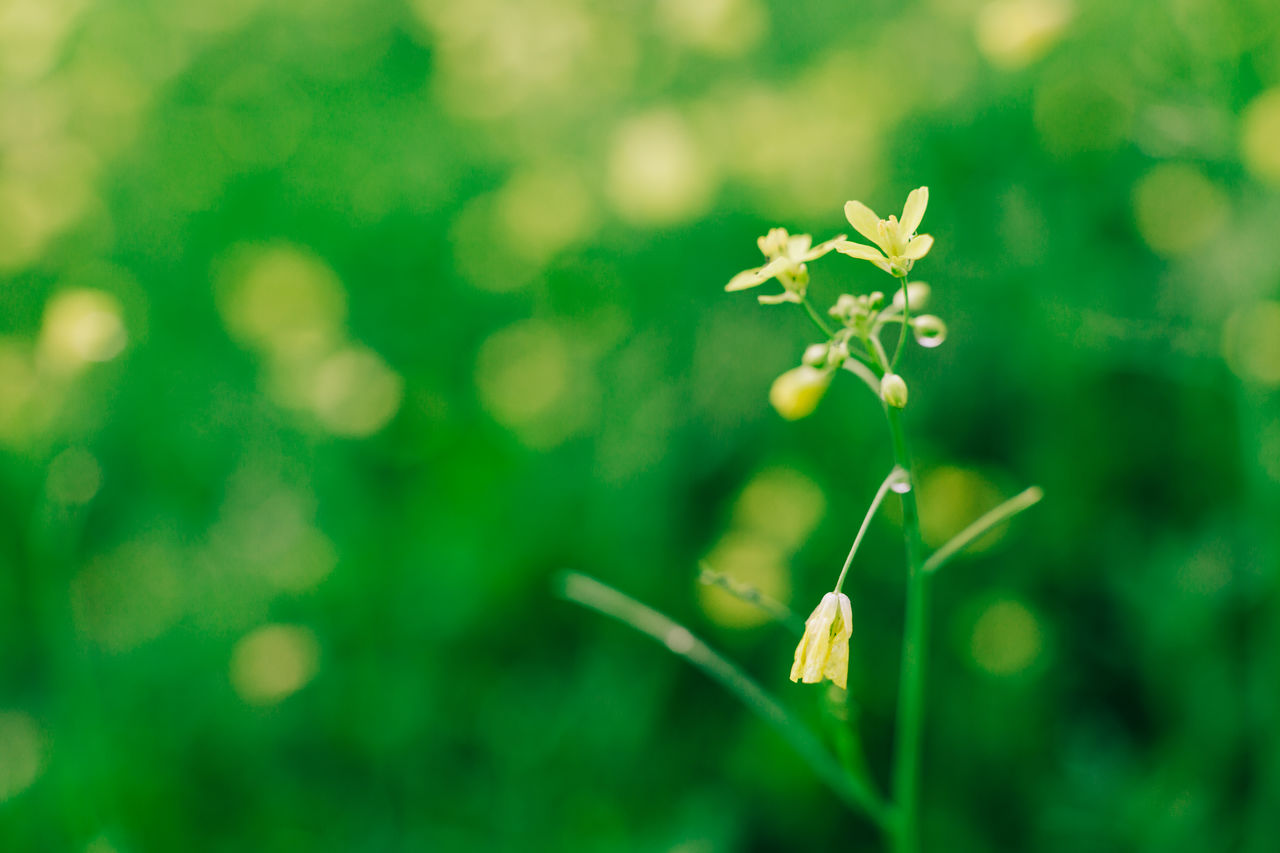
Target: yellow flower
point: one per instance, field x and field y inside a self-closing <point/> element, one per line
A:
<point x="824" y="649"/>
<point x="899" y="245"/>
<point x="787" y="255"/>
<point x="796" y="393"/>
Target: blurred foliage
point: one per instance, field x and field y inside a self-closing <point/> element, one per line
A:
<point x="332" y="328"/>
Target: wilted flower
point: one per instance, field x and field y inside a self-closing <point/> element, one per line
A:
<point x="899" y="245"/>
<point x="787" y="256"/>
<point x="824" y="649"/>
<point x="796" y="393"/>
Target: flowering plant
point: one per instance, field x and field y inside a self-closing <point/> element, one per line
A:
<point x="851" y="342"/>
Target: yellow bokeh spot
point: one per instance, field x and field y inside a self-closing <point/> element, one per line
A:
<point x="21" y="753"/>
<point x="18" y="385"/>
<point x="542" y="211"/>
<point x="1178" y="209"/>
<point x="1015" y="33"/>
<point x="129" y="596"/>
<point x="750" y="559"/>
<point x="1251" y="343"/>
<point x="780" y="504"/>
<point x="274" y="662"/>
<point x="1260" y="135"/>
<point x="354" y="392"/>
<point x="950" y="499"/>
<point x="658" y="173"/>
<point x="45" y="187"/>
<point x="266" y="529"/>
<point x="32" y="33"/>
<point x="1006" y="638"/>
<point x="529" y="381"/>
<point x="282" y="300"/>
<point x="81" y="326"/>
<point x="719" y="27"/>
<point x="74" y="477"/>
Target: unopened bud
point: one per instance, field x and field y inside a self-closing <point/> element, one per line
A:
<point x="917" y="295"/>
<point x="796" y="393"/>
<point x="893" y="390"/>
<point x="929" y="330"/>
<point x="815" y="355"/>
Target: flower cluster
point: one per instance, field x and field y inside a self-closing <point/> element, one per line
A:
<point x="787" y="255"/>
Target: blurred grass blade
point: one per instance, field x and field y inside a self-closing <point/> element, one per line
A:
<point x="964" y="538"/>
<point x="748" y="593"/>
<point x="597" y="596"/>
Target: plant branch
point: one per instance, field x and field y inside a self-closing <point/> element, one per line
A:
<point x="816" y="317"/>
<point x="592" y="594"/>
<point x="896" y="476"/>
<point x="748" y="593"/>
<point x="964" y="538"/>
<point x="906" y="325"/>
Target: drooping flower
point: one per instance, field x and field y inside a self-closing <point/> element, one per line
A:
<point x="787" y="255"/>
<point x="824" y="649"/>
<point x="796" y="393"/>
<point x="897" y="246"/>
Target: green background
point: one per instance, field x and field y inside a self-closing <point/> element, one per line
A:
<point x="331" y="331"/>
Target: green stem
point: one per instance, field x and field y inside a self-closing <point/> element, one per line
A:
<point x="915" y="636"/>
<point x="590" y="593"/>
<point x="906" y="326"/>
<point x="897" y="475"/>
<point x="751" y="595"/>
<point x="816" y="317"/>
<point x="961" y="540"/>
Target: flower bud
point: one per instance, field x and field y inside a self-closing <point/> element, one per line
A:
<point x="796" y="393"/>
<point x="929" y="330"/>
<point x="815" y="355"/>
<point x="824" y="649"/>
<point x="917" y="294"/>
<point x="893" y="390"/>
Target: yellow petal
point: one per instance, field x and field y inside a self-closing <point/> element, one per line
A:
<point x="772" y="244"/>
<point x="863" y="252"/>
<point x="863" y="219"/>
<point x="823" y="651"/>
<point x="745" y="279"/>
<point x="778" y="298"/>
<point x="918" y="247"/>
<point x="913" y="210"/>
<point x="823" y="248"/>
<point x="837" y="667"/>
<point x="798" y="245"/>
<point x="759" y="275"/>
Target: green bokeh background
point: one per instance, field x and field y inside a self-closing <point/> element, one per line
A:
<point x="333" y="329"/>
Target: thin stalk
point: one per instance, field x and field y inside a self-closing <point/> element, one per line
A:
<point x="906" y="323"/>
<point x="864" y="373"/>
<point x="873" y="343"/>
<point x="915" y="636"/>
<point x="897" y="475"/>
<point x="816" y="317"/>
<point x="594" y="595"/>
<point x="751" y="595"/>
<point x="961" y="540"/>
